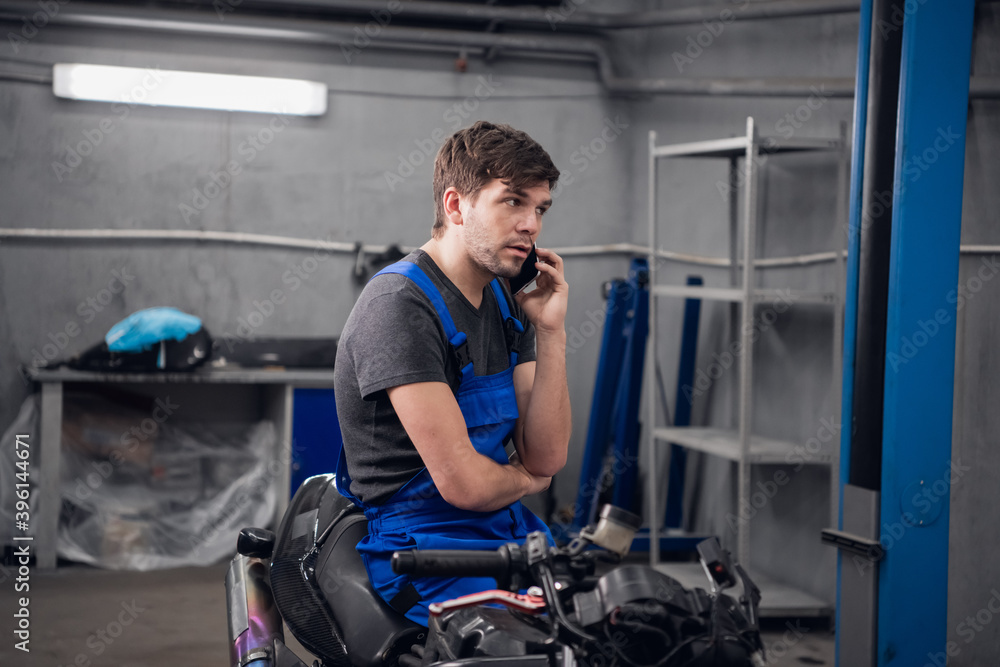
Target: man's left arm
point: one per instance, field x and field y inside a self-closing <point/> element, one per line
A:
<point x="542" y="433"/>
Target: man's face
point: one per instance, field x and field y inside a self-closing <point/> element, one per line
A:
<point x="501" y="226"/>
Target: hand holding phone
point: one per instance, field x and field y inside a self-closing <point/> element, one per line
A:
<point x="546" y="306"/>
<point x="528" y="273"/>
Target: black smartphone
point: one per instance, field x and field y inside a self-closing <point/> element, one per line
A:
<point x="528" y="273"/>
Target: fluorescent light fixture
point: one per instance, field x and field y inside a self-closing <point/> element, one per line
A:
<point x="170" y="88"/>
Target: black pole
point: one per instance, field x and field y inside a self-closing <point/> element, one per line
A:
<point x="875" y="230"/>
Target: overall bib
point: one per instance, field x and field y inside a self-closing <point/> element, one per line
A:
<point x="416" y="516"/>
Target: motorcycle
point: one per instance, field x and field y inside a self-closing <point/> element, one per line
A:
<point x="309" y="576"/>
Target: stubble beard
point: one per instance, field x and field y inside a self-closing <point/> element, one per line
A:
<point x="481" y="251"/>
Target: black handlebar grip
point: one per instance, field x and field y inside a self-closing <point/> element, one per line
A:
<point x="445" y="563"/>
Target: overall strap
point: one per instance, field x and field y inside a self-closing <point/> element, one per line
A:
<point x="457" y="338"/>
<point x="513" y="329"/>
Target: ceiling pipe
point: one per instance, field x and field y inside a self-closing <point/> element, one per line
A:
<point x="416" y="39"/>
<point x="395" y="37"/>
<point x="566" y="16"/>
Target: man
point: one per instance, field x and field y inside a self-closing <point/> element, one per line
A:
<point x="438" y="367"/>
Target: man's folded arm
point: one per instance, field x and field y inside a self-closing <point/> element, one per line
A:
<point x="464" y="477"/>
<point x="544" y="426"/>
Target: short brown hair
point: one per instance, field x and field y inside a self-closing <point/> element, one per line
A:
<point x="472" y="157"/>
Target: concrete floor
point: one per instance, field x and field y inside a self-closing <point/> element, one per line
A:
<point x="87" y="617"/>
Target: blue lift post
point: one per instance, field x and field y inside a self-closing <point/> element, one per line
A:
<point x="626" y="447"/>
<point x="601" y="408"/>
<point x="920" y="336"/>
<point x="673" y="517"/>
<point x="614" y="415"/>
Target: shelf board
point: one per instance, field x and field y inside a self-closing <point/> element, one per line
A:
<point x="726" y="444"/>
<point x="796" y="296"/>
<point x="712" y="148"/>
<point x="778" y="600"/>
<point x="803" y="144"/>
<point x="737" y="146"/>
<point x="203" y="375"/>
<point x="671" y="539"/>
<point x="735" y="294"/>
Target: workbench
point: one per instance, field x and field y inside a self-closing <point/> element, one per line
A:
<point x="252" y="394"/>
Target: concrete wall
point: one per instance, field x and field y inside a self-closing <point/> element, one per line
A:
<point x="360" y="173"/>
<point x="973" y="590"/>
<point x="326" y="179"/>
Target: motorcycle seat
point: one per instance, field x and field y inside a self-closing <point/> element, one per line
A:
<point x="374" y="635"/>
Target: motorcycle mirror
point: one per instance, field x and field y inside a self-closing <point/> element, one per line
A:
<point x="255" y="543"/>
<point x="717" y="563"/>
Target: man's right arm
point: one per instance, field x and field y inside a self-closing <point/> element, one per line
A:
<point x="464" y="477"/>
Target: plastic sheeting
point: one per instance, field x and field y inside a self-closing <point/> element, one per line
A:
<point x="141" y="494"/>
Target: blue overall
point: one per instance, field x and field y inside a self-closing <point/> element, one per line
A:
<point x="416" y="516"/>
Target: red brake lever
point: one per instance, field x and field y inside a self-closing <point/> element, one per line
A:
<point x="529" y="604"/>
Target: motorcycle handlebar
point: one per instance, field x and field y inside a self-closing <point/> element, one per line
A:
<point x="445" y="563"/>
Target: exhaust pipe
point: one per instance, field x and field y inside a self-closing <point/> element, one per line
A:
<point x="254" y="621"/>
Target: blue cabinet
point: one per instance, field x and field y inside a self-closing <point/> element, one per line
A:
<point x="316" y="439"/>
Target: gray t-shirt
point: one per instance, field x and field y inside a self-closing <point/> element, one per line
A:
<point x="394" y="337"/>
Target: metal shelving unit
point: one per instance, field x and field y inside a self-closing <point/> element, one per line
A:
<point x="741" y="445"/>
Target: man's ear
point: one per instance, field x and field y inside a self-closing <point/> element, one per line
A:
<point x="452" y="206"/>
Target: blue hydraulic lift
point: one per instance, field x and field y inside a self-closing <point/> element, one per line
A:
<point x="926" y="229"/>
<point x="611" y="455"/>
<point x="893" y="532"/>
